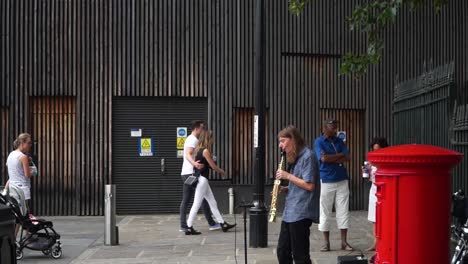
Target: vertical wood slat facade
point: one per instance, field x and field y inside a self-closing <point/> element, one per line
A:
<point x="243" y="150"/>
<point x="53" y="130"/>
<point x="97" y="50"/>
<point x="4" y="136"/>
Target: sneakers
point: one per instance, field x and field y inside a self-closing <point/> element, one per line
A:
<point x="191" y="231"/>
<point x="215" y="227"/>
<point x="225" y="226"/>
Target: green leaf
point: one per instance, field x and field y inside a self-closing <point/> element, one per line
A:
<point x="371" y="18"/>
<point x="297" y="6"/>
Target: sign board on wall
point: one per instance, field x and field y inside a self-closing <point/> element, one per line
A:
<point x="180" y="153"/>
<point x="341" y="135"/>
<point x="145" y="148"/>
<point x="181" y="137"/>
<point x="255" y="131"/>
<point x="136" y="132"/>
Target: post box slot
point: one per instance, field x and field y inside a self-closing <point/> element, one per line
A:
<point x="379" y="193"/>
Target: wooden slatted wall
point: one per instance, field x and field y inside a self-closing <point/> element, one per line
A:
<point x="93" y="50"/>
<point x="54" y="134"/>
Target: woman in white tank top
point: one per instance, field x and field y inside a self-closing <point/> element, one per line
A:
<point x="19" y="171"/>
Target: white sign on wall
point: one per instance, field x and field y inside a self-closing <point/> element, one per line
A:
<point x="136" y="132"/>
<point x="341" y="135"/>
<point x="255" y="131"/>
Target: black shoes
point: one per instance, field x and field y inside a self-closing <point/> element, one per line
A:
<point x="225" y="226"/>
<point x="191" y="231"/>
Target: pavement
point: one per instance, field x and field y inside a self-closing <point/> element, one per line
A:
<point x="77" y="234"/>
<point x="156" y="239"/>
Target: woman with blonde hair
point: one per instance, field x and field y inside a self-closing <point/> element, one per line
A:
<point x="19" y="170"/>
<point x="203" y="190"/>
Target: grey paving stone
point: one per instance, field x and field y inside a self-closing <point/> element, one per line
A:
<point x="156" y="239"/>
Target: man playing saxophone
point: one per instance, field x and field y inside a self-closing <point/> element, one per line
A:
<point x="302" y="199"/>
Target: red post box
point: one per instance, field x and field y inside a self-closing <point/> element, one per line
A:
<point x="413" y="203"/>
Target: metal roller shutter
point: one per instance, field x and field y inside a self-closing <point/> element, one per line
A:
<point x="141" y="186"/>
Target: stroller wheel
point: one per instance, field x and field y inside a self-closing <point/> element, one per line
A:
<point x="56" y="253"/>
<point x="19" y="254"/>
<point x="46" y="252"/>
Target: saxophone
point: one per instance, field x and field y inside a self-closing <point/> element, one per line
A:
<point x="276" y="185"/>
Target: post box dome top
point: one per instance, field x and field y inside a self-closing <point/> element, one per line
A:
<point x="415" y="154"/>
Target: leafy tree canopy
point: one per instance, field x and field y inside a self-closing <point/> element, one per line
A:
<point x="371" y="19"/>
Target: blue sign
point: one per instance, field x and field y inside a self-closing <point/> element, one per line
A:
<point x="342" y="135"/>
<point x="181" y="132"/>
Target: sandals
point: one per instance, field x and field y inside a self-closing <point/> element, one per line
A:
<point x="372" y="248"/>
<point x="325" y="247"/>
<point x="347" y="247"/>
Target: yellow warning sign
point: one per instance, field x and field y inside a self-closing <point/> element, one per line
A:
<point x="181" y="142"/>
<point x="146" y="147"/>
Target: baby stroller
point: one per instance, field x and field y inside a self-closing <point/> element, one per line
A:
<point x="40" y="234"/>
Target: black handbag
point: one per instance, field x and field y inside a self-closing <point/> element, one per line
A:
<point x="191" y="180"/>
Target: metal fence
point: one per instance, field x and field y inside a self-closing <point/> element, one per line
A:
<point x="425" y="111"/>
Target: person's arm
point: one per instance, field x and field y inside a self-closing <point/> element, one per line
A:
<point x="308" y="186"/>
<point x="319" y="152"/>
<point x="323" y="156"/>
<point x="307" y="182"/>
<point x="189" y="156"/>
<point x="345" y="152"/>
<point x="343" y="159"/>
<point x="209" y="158"/>
<point x="333" y="158"/>
<point x="25" y="160"/>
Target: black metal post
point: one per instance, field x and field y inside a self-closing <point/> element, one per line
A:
<point x="245" y="234"/>
<point x="258" y="213"/>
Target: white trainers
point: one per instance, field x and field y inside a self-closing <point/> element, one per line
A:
<point x="215" y="227"/>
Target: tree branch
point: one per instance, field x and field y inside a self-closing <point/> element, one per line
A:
<point x="371" y="19"/>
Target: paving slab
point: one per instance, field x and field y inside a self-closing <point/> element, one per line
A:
<point x="156" y="239"/>
<point x="77" y="234"/>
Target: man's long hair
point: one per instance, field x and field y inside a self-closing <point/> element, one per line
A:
<point x="295" y="135"/>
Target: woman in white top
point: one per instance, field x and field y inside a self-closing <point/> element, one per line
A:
<point x="19" y="171"/>
<point x="377" y="143"/>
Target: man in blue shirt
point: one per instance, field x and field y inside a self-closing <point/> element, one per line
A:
<point x="302" y="200"/>
<point x="332" y="153"/>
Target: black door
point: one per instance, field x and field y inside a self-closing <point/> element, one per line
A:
<point x="143" y="185"/>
